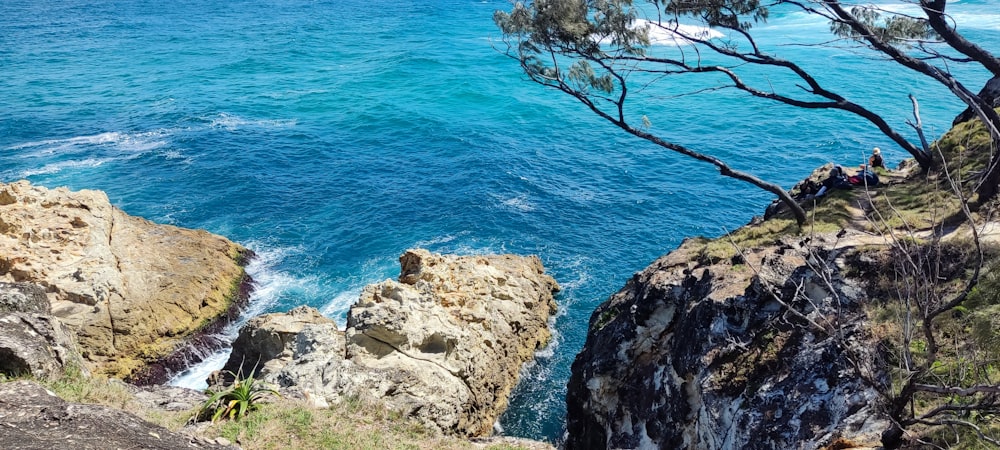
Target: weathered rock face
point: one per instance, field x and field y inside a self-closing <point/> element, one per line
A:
<point x="694" y="353"/>
<point x="266" y="343"/>
<point x="132" y="290"/>
<point x="23" y="297"/>
<point x="36" y="345"/>
<point x="35" y="419"/>
<point x="444" y="344"/>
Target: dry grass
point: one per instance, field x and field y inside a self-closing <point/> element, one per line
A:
<point x="284" y="423"/>
<point x="280" y="423"/>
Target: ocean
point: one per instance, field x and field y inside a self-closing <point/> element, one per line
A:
<point x="331" y="135"/>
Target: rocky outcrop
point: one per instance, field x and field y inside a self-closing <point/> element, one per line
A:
<point x="444" y="344"/>
<point x="34" y="418"/>
<point x="266" y="343"/>
<point x="36" y="345"/>
<point x="33" y="343"/>
<point x="990" y="93"/>
<point x="131" y="290"/>
<point x="735" y="352"/>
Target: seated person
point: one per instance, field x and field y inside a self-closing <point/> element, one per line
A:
<point x="875" y="161"/>
<point x="836" y="180"/>
<point x="865" y="177"/>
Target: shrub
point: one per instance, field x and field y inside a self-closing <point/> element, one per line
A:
<point x="236" y="400"/>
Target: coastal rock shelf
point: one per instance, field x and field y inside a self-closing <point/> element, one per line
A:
<point x="444" y="344"/>
<point x="131" y="290"/>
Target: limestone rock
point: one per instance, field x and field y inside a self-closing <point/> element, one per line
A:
<point x="444" y="344"/>
<point x="23" y="297"/>
<point x="33" y="418"/>
<point x="36" y="345"/>
<point x="131" y="289"/>
<point x="269" y="340"/>
<point x="693" y="353"/>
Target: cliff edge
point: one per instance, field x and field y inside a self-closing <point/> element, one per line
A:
<point x="872" y="326"/>
<point x="132" y="291"/>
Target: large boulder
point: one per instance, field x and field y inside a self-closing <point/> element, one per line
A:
<point x="132" y="290"/>
<point x="266" y="343"/>
<point x="740" y="352"/>
<point x="444" y="344"/>
<point x="33" y="418"/>
<point x="36" y="345"/>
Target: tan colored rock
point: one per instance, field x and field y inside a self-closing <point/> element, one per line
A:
<point x="444" y="344"/>
<point x="133" y="290"/>
<point x="268" y="342"/>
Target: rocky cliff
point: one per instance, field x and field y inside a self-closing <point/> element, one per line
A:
<point x="734" y="353"/>
<point x="445" y="343"/>
<point x="858" y="330"/>
<point x="131" y="290"/>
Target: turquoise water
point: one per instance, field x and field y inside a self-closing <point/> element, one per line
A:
<point x="330" y="136"/>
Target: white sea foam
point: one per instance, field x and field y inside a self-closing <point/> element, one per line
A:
<point x="520" y="203"/>
<point x="967" y="16"/>
<point x="231" y="122"/>
<point x="269" y="285"/>
<point x="557" y="338"/>
<point x="96" y="139"/>
<point x="437" y="240"/>
<point x="338" y="306"/>
<point x="672" y="34"/>
<point x="459" y="244"/>
<point x="194" y="377"/>
<point x="60" y="166"/>
<point x="372" y="270"/>
<point x="93" y="150"/>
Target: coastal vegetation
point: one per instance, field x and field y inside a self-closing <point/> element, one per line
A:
<point x="603" y="54"/>
<point x="930" y="268"/>
<point x="233" y="402"/>
<point x="276" y="422"/>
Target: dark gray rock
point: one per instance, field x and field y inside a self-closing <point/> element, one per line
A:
<point x="990" y="93"/>
<point x="23" y="297"/>
<point x="695" y="353"/>
<point x="32" y="418"/>
<point x="165" y="397"/>
<point x="36" y="345"/>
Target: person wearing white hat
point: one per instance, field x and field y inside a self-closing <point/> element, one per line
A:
<point x="876" y="159"/>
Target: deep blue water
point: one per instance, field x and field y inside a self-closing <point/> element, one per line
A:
<point x="330" y="136"/>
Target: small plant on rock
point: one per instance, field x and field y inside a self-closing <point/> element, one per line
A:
<point x="236" y="400"/>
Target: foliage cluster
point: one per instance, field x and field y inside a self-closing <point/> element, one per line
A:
<point x="236" y="400"/>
